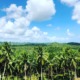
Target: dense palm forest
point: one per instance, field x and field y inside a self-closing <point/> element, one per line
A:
<point x="52" y="61"/>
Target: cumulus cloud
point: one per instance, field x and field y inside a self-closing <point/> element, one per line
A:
<point x="36" y="35"/>
<point x="39" y="10"/>
<point x="76" y="8"/>
<point x="15" y="24"/>
<point x="76" y="12"/>
<point x="14" y="11"/>
<point x="15" y="21"/>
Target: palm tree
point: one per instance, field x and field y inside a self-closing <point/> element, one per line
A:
<point x="31" y="61"/>
<point x="24" y="61"/>
<point x="5" y="56"/>
<point x="40" y="59"/>
<point x="71" y="62"/>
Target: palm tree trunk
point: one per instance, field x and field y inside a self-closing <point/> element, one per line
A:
<point x="63" y="73"/>
<point x="69" y="75"/>
<point x="48" y="73"/>
<point x="25" y="71"/>
<point x="30" y="71"/>
<point x="75" y="73"/>
<point x="4" y="71"/>
<point x="41" y="73"/>
<point x="0" y="76"/>
<point x="51" y="73"/>
<point x="30" y="77"/>
<point x="56" y="71"/>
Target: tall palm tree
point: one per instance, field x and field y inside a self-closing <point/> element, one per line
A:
<point x="40" y="59"/>
<point x="24" y="62"/>
<point x="5" y="56"/>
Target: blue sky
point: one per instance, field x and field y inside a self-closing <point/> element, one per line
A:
<point x="40" y="20"/>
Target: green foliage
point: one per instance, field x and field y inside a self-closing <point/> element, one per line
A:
<point x="35" y="62"/>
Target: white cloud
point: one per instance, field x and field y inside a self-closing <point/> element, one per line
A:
<point x="76" y="12"/>
<point x="40" y="9"/>
<point x="58" y="39"/>
<point x="14" y="11"/>
<point x="15" y="21"/>
<point x="76" y="8"/>
<point x="69" y="33"/>
<point x="2" y="22"/>
<point x="16" y="28"/>
<point x="15" y="24"/>
<point x="36" y="35"/>
<point x="45" y="33"/>
<point x="69" y="2"/>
